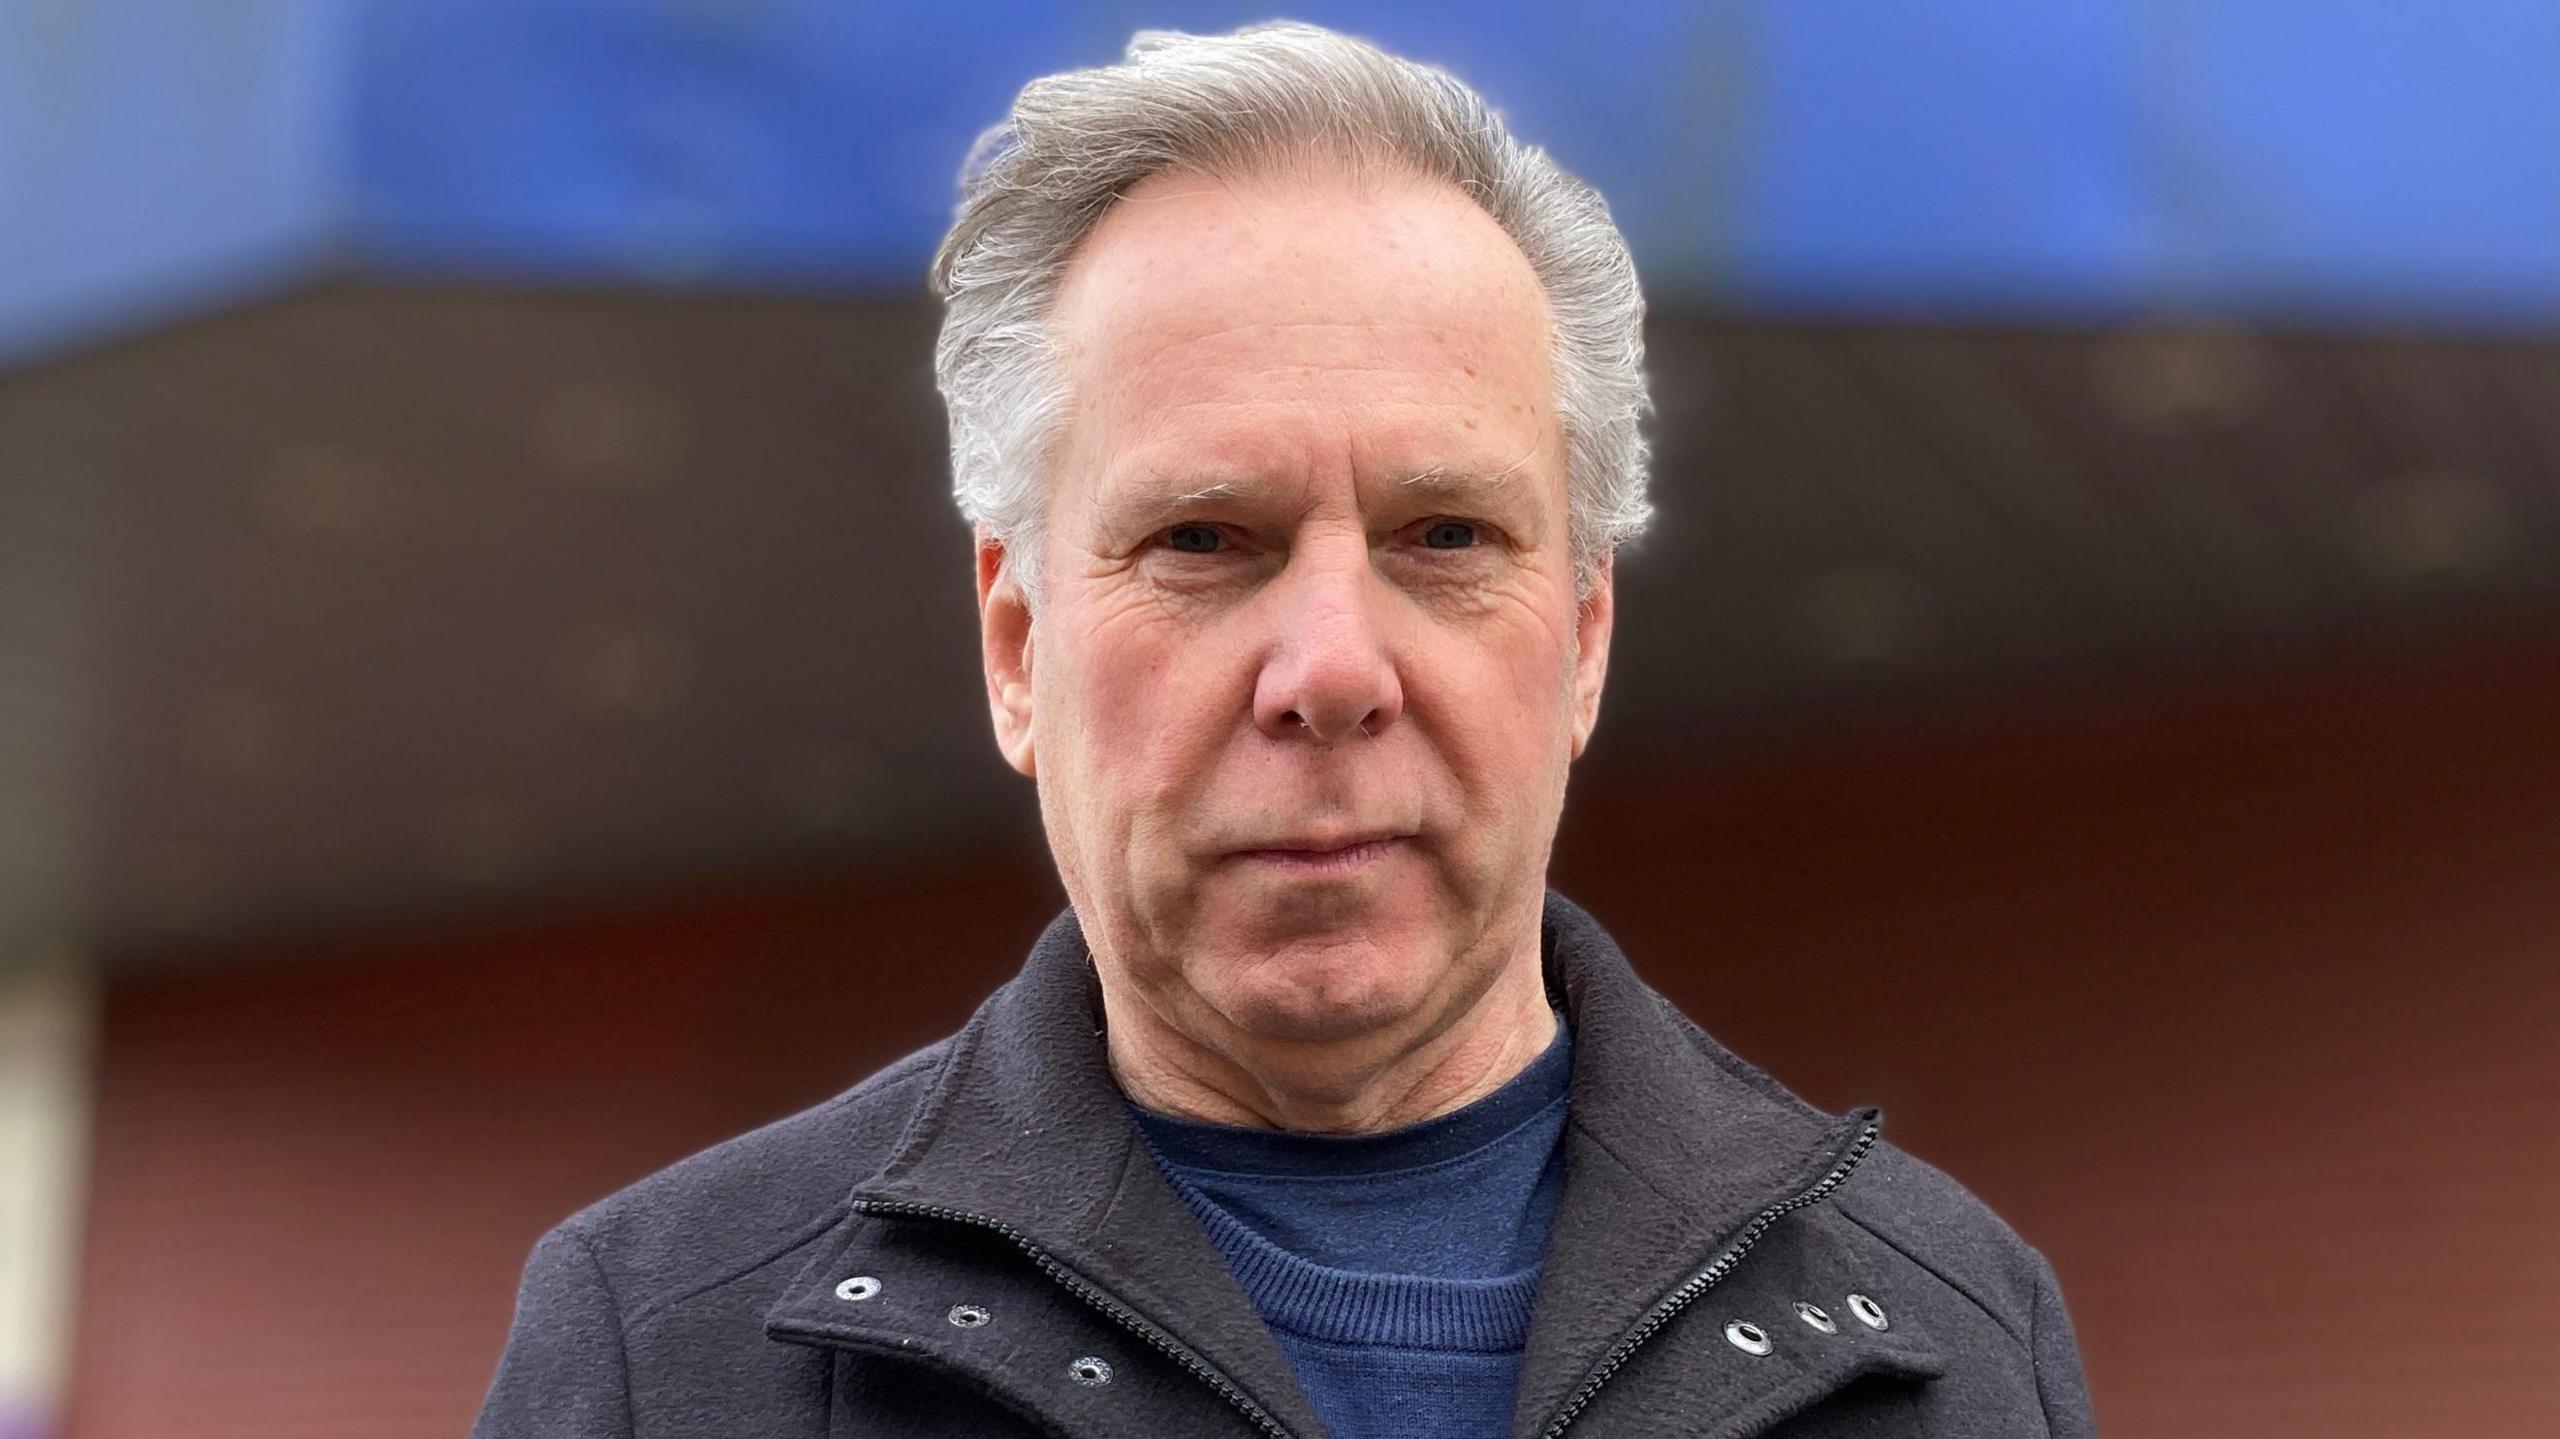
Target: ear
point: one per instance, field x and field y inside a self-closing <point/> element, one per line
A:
<point x="1004" y="639"/>
<point x="1595" y="614"/>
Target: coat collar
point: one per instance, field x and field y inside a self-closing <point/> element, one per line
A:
<point x="1025" y="1126"/>
<point x="1672" y="1145"/>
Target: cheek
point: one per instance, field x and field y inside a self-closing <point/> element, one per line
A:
<point x="1504" y="728"/>
<point x="1126" y="703"/>
<point x="1514" y="679"/>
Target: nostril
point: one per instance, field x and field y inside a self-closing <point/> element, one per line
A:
<point x="1295" y="720"/>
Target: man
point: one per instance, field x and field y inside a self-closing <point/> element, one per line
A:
<point x="1295" y="409"/>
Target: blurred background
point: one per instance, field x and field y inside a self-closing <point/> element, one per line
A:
<point x="488" y="691"/>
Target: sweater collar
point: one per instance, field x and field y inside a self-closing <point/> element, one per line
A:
<point x="1671" y="1146"/>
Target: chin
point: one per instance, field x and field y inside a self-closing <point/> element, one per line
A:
<point x="1321" y="995"/>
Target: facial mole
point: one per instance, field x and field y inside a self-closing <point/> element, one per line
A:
<point x="1470" y="369"/>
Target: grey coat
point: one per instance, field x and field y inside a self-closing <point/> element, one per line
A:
<point x="972" y="1242"/>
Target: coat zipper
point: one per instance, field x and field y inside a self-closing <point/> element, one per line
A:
<point x="1098" y="1298"/>
<point x="1707" y="1278"/>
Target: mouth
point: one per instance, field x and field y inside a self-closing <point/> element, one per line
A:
<point x="1345" y="855"/>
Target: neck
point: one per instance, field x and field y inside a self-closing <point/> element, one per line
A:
<point x="1358" y="1085"/>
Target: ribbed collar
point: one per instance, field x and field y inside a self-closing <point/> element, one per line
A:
<point x="1342" y="1306"/>
<point x="1485" y="1315"/>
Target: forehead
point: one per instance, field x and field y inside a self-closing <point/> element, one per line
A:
<point x="1236" y="322"/>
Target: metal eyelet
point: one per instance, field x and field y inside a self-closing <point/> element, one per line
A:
<point x="1090" y="1371"/>
<point x="858" y="1288"/>
<point x="968" y="1316"/>
<point x="1748" y="1337"/>
<point x="1869" y="1312"/>
<point x="1814" y="1318"/>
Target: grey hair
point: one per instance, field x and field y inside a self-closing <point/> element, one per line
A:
<point x="1036" y="184"/>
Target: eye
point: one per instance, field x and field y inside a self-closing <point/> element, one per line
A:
<point x="1449" y="535"/>
<point x="1194" y="539"/>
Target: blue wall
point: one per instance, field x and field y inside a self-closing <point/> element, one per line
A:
<point x="2323" y="160"/>
<point x="160" y="154"/>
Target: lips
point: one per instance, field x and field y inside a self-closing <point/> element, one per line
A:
<point x="1317" y="846"/>
<point x="1323" y="858"/>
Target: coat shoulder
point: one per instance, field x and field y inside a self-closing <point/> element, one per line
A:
<point x="1939" y="1225"/>
<point x="751" y="1202"/>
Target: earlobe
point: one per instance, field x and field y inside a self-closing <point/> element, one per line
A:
<point x="1006" y="643"/>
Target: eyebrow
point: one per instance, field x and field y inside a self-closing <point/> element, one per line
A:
<point x="1150" y="498"/>
<point x="1442" y="480"/>
<point x="1153" y="496"/>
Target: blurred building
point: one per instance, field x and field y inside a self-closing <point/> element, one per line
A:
<point x="488" y="693"/>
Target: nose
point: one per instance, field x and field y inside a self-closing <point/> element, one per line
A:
<point x="1327" y="672"/>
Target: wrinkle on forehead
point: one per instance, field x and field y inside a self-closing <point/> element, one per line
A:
<point x="1207" y="349"/>
<point x="1150" y="492"/>
<point x="1437" y="479"/>
<point x="1252" y="217"/>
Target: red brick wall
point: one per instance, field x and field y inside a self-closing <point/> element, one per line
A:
<point x="2243" y="1007"/>
<point x="316" y="1178"/>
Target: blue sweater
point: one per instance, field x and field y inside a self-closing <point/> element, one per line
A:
<point x="1395" y="1270"/>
